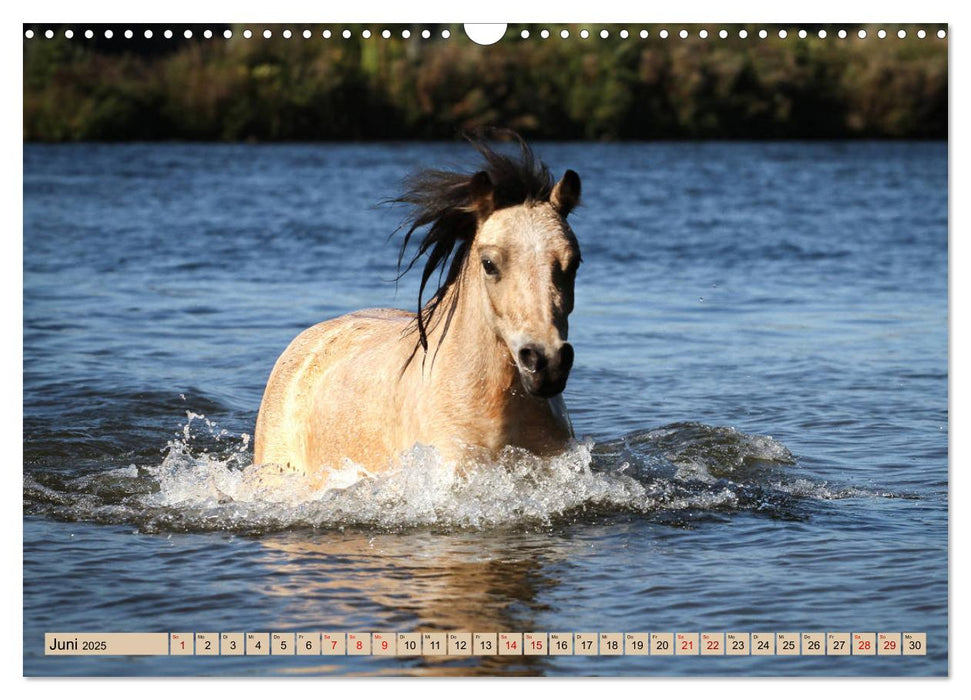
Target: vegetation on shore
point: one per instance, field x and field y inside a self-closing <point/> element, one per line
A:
<point x="335" y="89"/>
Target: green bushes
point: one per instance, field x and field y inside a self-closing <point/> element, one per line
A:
<point x="319" y="89"/>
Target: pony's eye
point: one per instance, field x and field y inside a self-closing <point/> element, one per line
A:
<point x="489" y="267"/>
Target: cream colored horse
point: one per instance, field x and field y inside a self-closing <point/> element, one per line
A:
<point x="481" y="366"/>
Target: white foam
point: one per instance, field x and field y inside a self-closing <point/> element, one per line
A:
<point x="201" y="487"/>
<point x="423" y="490"/>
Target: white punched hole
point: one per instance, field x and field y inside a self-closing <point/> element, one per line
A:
<point x="624" y="33"/>
<point x="325" y="34"/>
<point x="545" y="34"/>
<point x="703" y="33"/>
<point x="564" y="34"/>
<point x="49" y="33"/>
<point x="228" y="34"/>
<point x="88" y="34"/>
<point x="148" y="33"/>
<point x="485" y="34"/>
<point x="287" y="34"/>
<point x="29" y="34"/>
<point x="941" y="34"/>
<point x="921" y="33"/>
<point x="783" y="33"/>
<point x="763" y="34"/>
<point x="109" y="33"/>
<point x="366" y="33"/>
<point x="247" y="34"/>
<point x="803" y="33"/>
<point x="644" y="34"/>
<point x="425" y="34"/>
<point x="207" y="34"/>
<point x="524" y="34"/>
<point x="68" y="34"/>
<point x="841" y="34"/>
<point x="267" y="33"/>
<point x="346" y="33"/>
<point x="723" y="34"/>
<point x="822" y="34"/>
<point x="861" y="33"/>
<point x="405" y="34"/>
<point x="446" y="34"/>
<point x="901" y="34"/>
<point x="584" y="34"/>
<point x="742" y="34"/>
<point x="168" y="33"/>
<point x="663" y="33"/>
<point x="386" y="34"/>
<point x="307" y="34"/>
<point x="604" y="33"/>
<point x="882" y="34"/>
<point x="683" y="34"/>
<point x="187" y="33"/>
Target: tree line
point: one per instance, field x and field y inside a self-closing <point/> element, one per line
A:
<point x="298" y="89"/>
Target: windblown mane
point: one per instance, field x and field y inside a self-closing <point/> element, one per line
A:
<point x="445" y="202"/>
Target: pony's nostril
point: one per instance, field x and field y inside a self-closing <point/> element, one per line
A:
<point x="532" y="359"/>
<point x="566" y="357"/>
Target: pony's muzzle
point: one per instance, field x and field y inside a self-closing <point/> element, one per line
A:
<point x="544" y="374"/>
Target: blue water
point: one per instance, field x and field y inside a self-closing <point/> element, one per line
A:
<point x="729" y="293"/>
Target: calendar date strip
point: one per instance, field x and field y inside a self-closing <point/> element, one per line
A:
<point x="404" y="644"/>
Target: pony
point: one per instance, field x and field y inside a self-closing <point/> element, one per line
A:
<point x="480" y="366"/>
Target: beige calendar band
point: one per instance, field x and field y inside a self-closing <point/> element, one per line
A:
<point x="486" y="644"/>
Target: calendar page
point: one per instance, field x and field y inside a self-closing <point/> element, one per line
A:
<point x="535" y="349"/>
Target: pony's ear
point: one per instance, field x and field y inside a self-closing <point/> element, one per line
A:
<point x="566" y="193"/>
<point x="482" y="191"/>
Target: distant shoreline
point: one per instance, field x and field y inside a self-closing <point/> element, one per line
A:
<point x="375" y="89"/>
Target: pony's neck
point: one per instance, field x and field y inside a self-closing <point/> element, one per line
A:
<point x="465" y="354"/>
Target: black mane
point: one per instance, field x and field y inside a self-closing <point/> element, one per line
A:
<point x="447" y="203"/>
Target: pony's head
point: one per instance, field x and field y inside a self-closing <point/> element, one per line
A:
<point x="502" y="229"/>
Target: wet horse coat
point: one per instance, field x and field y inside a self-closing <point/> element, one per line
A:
<point x="479" y="367"/>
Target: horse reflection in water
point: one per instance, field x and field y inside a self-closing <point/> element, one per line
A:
<point x="481" y="366"/>
<point x="415" y="582"/>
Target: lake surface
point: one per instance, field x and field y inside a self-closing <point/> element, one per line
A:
<point x="760" y="398"/>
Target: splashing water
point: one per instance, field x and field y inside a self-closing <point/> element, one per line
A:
<point x="207" y="482"/>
